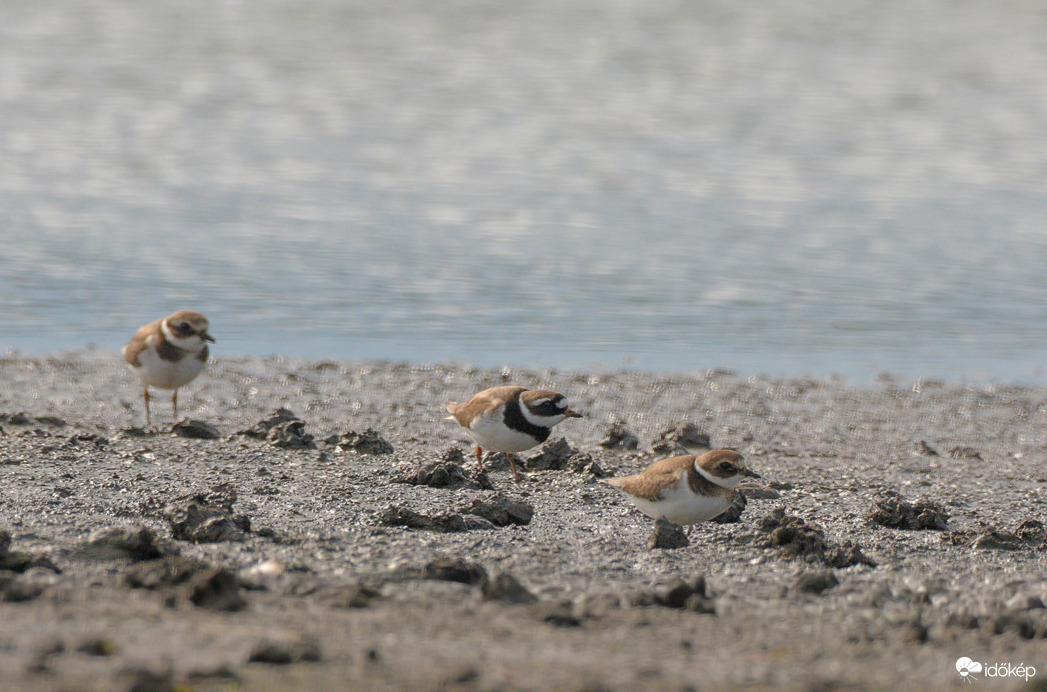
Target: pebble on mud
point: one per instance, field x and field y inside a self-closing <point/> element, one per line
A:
<point x="681" y="439"/>
<point x="685" y="593"/>
<point x="506" y="588"/>
<point x="215" y="588"/>
<point x="136" y="543"/>
<point x="442" y="474"/>
<point x="482" y="513"/>
<point x="448" y="522"/>
<point x="815" y="582"/>
<point x="367" y="442"/>
<point x="207" y="517"/>
<point x="892" y="510"/>
<point x="668" y="536"/>
<point x="552" y="457"/>
<point x="196" y="430"/>
<point x="17" y="561"/>
<point x="792" y="537"/>
<point x="285" y="652"/>
<point x="455" y="569"/>
<point x="500" y="510"/>
<point x="282" y="429"/>
<point x="619" y="436"/>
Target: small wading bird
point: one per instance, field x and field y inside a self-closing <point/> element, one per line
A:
<point x="169" y="353"/>
<point x="510" y="419"/>
<point x="686" y="489"/>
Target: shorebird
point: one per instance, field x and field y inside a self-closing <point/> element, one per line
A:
<point x="169" y="353"/>
<point x="510" y="419"/>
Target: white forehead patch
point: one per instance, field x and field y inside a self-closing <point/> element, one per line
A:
<point x="561" y="404"/>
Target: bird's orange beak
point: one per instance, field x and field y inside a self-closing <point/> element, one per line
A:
<point x="571" y="414"/>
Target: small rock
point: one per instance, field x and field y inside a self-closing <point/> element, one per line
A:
<point x="442" y="474"/>
<point x="215" y="589"/>
<point x="97" y="646"/>
<point x="283" y="653"/>
<point x="196" y="429"/>
<point x="126" y="542"/>
<point x="25" y="419"/>
<point x="454" y="455"/>
<point x="207" y="517"/>
<point x="507" y="589"/>
<point x="964" y="453"/>
<point x="619" y="436"/>
<point x="1032" y="531"/>
<point x="845" y="555"/>
<point x="914" y="633"/>
<point x="21" y="588"/>
<point x="283" y="429"/>
<point x="993" y="539"/>
<point x="585" y="464"/>
<point x="676" y="593"/>
<point x="350" y="597"/>
<point x="668" y="536"/>
<point x="164" y="572"/>
<point x="20" y="562"/>
<point x="1024" y="601"/>
<point x="793" y="538"/>
<point x="151" y="681"/>
<point x="554" y="456"/>
<point x="815" y="582"/>
<point x="681" y="439"/>
<point x="924" y="449"/>
<point x="555" y="614"/>
<point x="500" y="510"/>
<point x="397" y="515"/>
<point x="891" y="510"/>
<point x="367" y="442"/>
<point x="456" y="570"/>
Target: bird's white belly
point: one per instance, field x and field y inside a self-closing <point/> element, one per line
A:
<point x="491" y="433"/>
<point x="167" y="374"/>
<point x="681" y="506"/>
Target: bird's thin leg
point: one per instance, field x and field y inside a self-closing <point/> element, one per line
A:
<point x="479" y="458"/>
<point x="174" y="403"/>
<point x="148" y="420"/>
<point x="512" y="465"/>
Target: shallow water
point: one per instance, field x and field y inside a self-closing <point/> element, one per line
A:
<point x="796" y="189"/>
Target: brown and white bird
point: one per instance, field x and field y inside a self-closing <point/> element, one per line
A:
<point x="510" y="419"/>
<point x="686" y="489"/>
<point x="169" y="353"/>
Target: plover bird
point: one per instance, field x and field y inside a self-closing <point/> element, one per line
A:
<point x="169" y="353"/>
<point x="510" y="419"/>
<point x="686" y="489"/>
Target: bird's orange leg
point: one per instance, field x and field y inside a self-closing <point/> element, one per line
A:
<point x="148" y="421"/>
<point x="479" y="458"/>
<point x="512" y="465"/>
<point x="174" y="403"/>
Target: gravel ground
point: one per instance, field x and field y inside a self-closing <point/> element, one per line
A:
<point x="350" y="543"/>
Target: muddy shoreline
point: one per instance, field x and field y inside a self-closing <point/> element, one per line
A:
<point x="330" y="561"/>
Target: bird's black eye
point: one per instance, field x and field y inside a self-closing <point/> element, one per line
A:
<point x="726" y="466"/>
<point x="185" y="328"/>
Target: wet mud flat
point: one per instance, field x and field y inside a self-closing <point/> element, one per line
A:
<point x="321" y="525"/>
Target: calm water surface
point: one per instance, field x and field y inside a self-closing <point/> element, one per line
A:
<point x="802" y="188"/>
